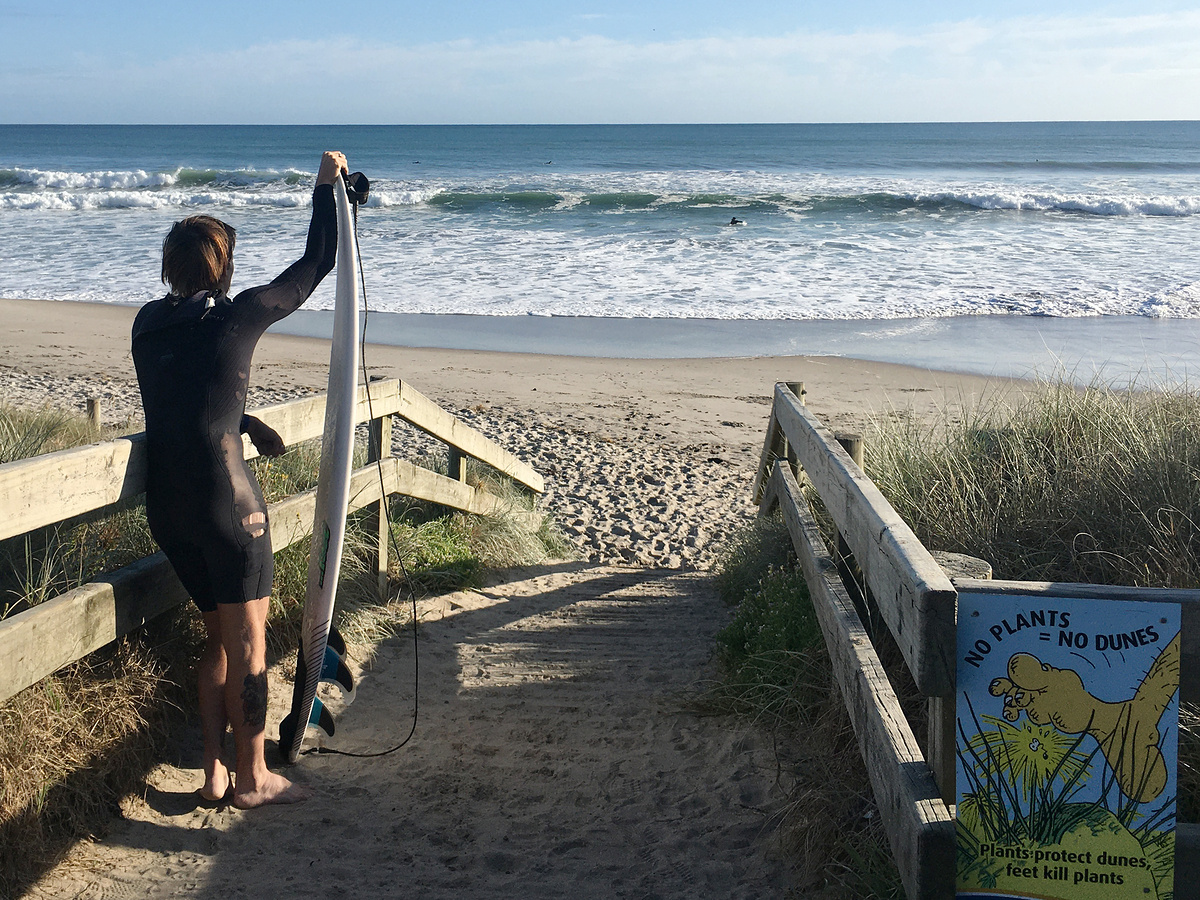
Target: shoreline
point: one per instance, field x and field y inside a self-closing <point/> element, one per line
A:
<point x="73" y="348"/>
<point x="1110" y="348"/>
<point x="1116" y="350"/>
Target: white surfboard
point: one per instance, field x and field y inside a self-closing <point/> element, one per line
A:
<point x="321" y="651"/>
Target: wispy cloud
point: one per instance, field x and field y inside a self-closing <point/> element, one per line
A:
<point x="1031" y="67"/>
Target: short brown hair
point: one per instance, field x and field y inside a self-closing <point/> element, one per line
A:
<point x="196" y="255"/>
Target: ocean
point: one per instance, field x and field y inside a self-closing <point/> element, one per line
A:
<point x="842" y="222"/>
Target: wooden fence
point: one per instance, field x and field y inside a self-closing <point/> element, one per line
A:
<point x="912" y="596"/>
<point x="57" y="487"/>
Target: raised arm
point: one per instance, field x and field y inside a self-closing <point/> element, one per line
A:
<point x="296" y="283"/>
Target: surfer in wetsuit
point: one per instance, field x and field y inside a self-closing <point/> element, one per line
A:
<point x="192" y="351"/>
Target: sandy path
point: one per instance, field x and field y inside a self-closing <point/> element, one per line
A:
<point x="555" y="753"/>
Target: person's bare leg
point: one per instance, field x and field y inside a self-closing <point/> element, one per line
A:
<point x="213" y="718"/>
<point x="244" y="634"/>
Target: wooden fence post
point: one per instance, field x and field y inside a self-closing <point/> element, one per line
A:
<point x="94" y="412"/>
<point x="852" y="444"/>
<point x="941" y="737"/>
<point x="379" y="446"/>
<point x="456" y="465"/>
<point x="776" y="446"/>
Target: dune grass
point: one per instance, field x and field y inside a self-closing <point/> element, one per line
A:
<point x="74" y="744"/>
<point x="1094" y="485"/>
<point x="25" y="433"/>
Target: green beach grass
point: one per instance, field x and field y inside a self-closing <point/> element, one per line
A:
<point x="73" y="745"/>
<point x="1093" y="485"/>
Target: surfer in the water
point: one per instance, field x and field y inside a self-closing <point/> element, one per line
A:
<point x="192" y="351"/>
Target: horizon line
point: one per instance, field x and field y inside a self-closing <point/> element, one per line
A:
<point x="1148" y="121"/>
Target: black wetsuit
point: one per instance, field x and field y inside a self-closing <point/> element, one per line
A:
<point x="192" y="355"/>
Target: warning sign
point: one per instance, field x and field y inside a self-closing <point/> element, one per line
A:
<point x="1068" y="717"/>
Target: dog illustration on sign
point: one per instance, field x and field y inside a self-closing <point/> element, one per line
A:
<point x="1127" y="731"/>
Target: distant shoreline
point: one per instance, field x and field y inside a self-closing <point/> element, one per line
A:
<point x="1113" y="349"/>
<point x="65" y="352"/>
<point x="1116" y="350"/>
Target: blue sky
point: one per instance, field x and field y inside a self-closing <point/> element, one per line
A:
<point x="615" y="61"/>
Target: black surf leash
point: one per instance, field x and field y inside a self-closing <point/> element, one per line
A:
<point x="357" y="190"/>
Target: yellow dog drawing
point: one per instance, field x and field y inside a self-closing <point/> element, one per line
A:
<point x="1126" y="731"/>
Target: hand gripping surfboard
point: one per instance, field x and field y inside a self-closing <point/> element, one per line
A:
<point x="321" y="651"/>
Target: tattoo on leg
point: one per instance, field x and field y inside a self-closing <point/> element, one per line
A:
<point x="254" y="700"/>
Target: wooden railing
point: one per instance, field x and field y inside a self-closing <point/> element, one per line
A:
<point x="916" y="600"/>
<point x="907" y="589"/>
<point x="49" y="489"/>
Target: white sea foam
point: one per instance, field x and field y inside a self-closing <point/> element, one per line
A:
<point x="646" y="243"/>
<point x="465" y="269"/>
<point x="1096" y="204"/>
<point x="400" y="196"/>
<point x="795" y="194"/>
<point x="1178" y="302"/>
<point x="57" y="181"/>
<point x="163" y="199"/>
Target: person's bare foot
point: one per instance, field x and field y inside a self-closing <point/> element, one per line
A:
<point x="216" y="782"/>
<point x="271" y="788"/>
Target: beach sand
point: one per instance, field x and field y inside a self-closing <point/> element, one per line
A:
<point x="555" y="750"/>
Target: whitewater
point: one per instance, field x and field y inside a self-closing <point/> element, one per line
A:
<point x="841" y="222"/>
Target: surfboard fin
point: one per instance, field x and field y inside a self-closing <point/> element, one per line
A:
<point x="287" y="733"/>
<point x="321" y="718"/>
<point x="336" y="641"/>
<point x="335" y="671"/>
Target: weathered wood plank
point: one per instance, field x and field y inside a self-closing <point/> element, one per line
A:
<point x="914" y="595"/>
<point x="942" y="735"/>
<point x="1189" y="613"/>
<point x="424" y="484"/>
<point x="300" y="420"/>
<point x="402" y="399"/>
<point x="56" y="486"/>
<point x="918" y="823"/>
<point x="959" y="565"/>
<point x="304" y="419"/>
<point x="39" y="641"/>
<point x="774" y="447"/>
<point x="422" y="412"/>
<point x="46" y="489"/>
<point x="768" y="495"/>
